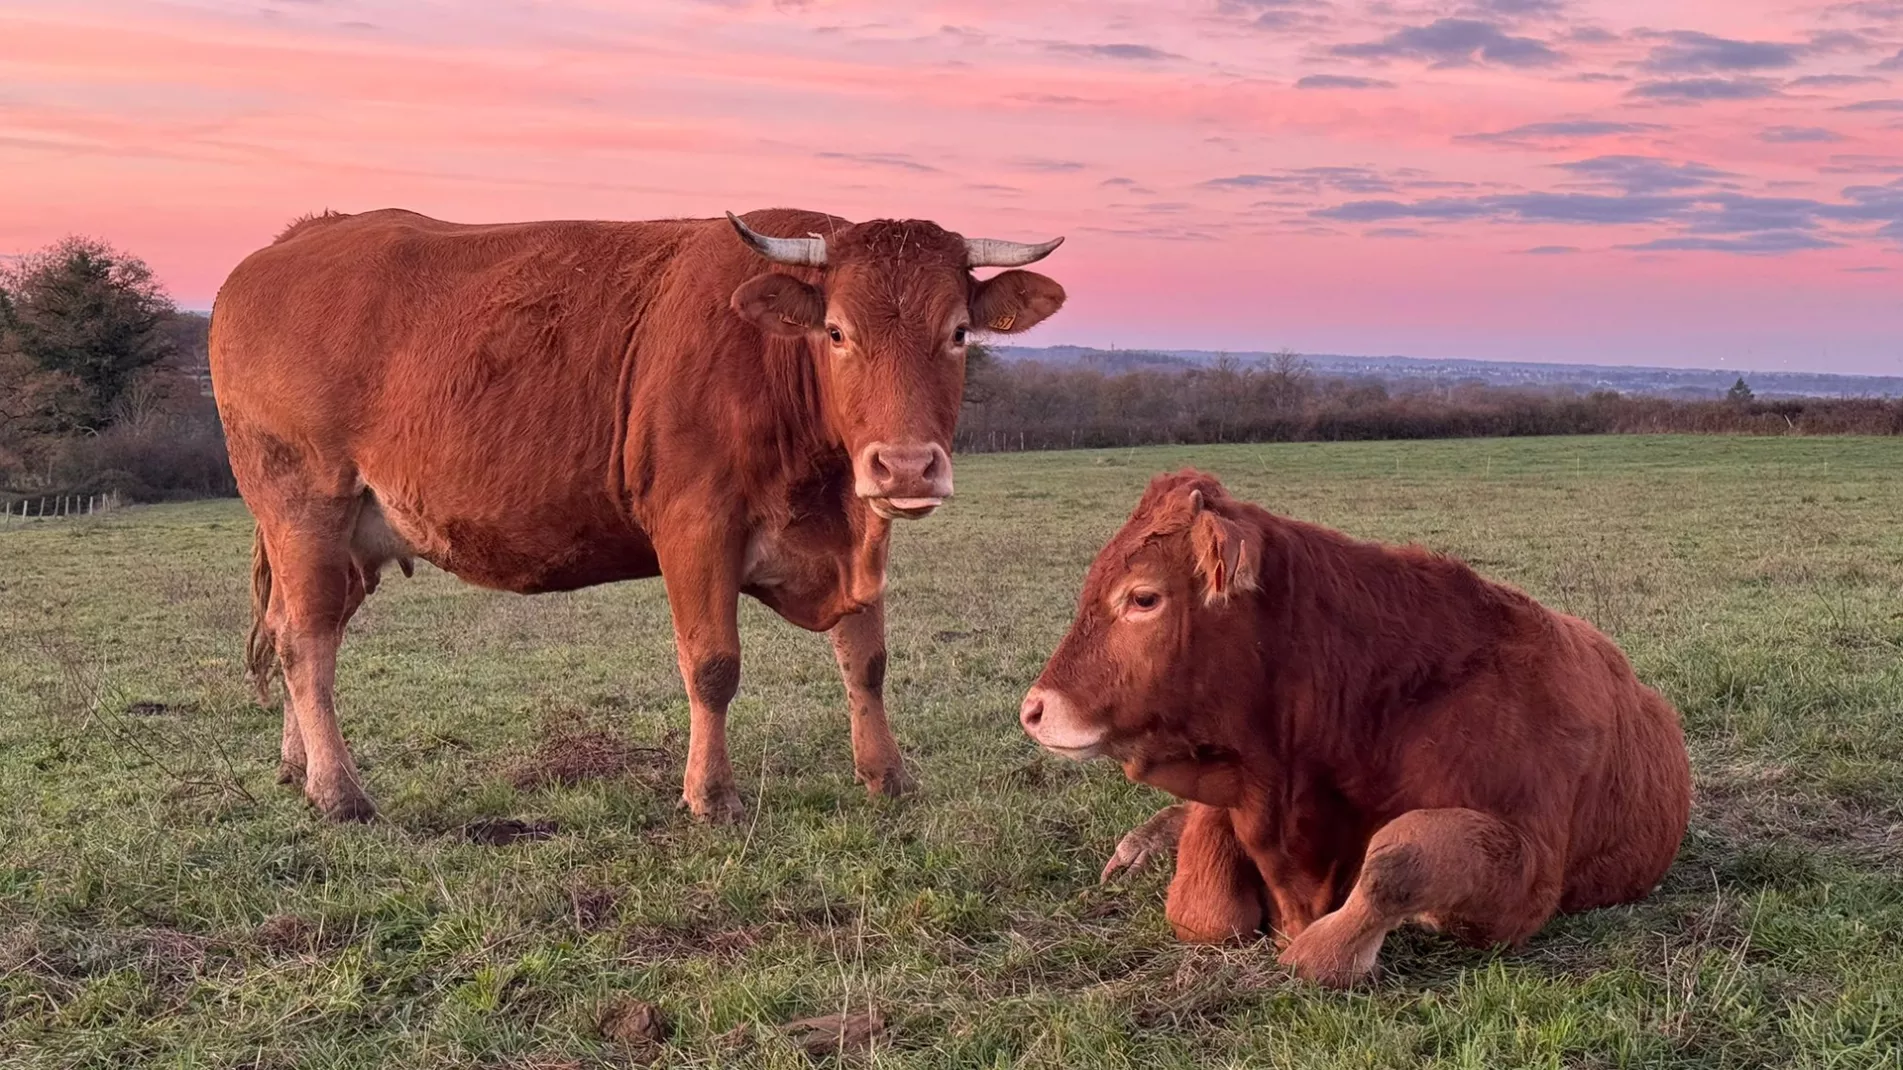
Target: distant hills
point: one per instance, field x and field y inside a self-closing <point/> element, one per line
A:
<point x="1563" y="378"/>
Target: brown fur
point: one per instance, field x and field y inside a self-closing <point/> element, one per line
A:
<point x="546" y="406"/>
<point x="1368" y="735"/>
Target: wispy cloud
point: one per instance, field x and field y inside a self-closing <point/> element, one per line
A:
<point x="1797" y="135"/>
<point x="1047" y="165"/>
<point x="1340" y="81"/>
<point x="1834" y="81"/>
<point x="1563" y="130"/>
<point x="1455" y="42"/>
<point x="1755" y="245"/>
<point x="1147" y="53"/>
<point x="1691" y="52"/>
<point x="1700" y="90"/>
<point x="1645" y="174"/>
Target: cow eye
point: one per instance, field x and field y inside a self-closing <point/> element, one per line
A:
<point x="1145" y="600"/>
<point x="838" y="336"/>
<point x="959" y="336"/>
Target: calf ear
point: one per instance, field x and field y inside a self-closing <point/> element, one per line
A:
<point x="1014" y="301"/>
<point x="779" y="304"/>
<point x="1228" y="554"/>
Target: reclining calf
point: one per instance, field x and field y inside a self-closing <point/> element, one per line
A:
<point x="1367" y="735"/>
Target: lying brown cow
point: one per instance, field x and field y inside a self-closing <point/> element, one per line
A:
<point x="547" y="406"/>
<point x="1368" y="735"/>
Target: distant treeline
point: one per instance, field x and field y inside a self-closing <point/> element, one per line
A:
<point x="104" y="390"/>
<point x="102" y="382"/>
<point x="1028" y="406"/>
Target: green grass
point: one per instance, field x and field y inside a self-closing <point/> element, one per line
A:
<point x="163" y="902"/>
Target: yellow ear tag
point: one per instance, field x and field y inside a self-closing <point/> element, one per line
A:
<point x="1004" y="321"/>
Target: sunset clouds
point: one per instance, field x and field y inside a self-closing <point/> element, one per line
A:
<point x="1620" y="180"/>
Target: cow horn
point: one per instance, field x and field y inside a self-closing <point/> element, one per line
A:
<point x="803" y="252"/>
<point x="990" y="252"/>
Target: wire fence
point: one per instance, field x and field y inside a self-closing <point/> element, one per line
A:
<point x="57" y="507"/>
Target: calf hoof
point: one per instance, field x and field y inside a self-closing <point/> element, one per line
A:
<point x="715" y="806"/>
<point x="891" y="782"/>
<point x="1332" y="952"/>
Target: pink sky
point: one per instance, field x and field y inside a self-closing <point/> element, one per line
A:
<point x="1703" y="182"/>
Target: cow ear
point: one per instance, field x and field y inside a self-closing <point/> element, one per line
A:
<point x="780" y="304"/>
<point x="1014" y="301"/>
<point x="1228" y="554"/>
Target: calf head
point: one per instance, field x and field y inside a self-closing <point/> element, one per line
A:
<point x="1156" y="669"/>
<point x="889" y="314"/>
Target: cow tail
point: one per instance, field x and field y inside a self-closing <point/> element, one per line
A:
<point x="260" y="647"/>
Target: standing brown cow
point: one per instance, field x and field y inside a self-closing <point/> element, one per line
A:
<point x="547" y="406"/>
<point x="1368" y="735"/>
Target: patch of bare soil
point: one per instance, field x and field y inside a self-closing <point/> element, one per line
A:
<point x="1755" y="803"/>
<point x="656" y="942"/>
<point x="636" y="1027"/>
<point x="853" y="1033"/>
<point x="592" y="906"/>
<point x="503" y="831"/>
<point x="294" y="934"/>
<point x="573" y="750"/>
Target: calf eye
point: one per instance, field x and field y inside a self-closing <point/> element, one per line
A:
<point x="838" y="336"/>
<point x="959" y="336"/>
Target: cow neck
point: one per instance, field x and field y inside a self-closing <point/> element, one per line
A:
<point x="1364" y="632"/>
<point x="806" y="447"/>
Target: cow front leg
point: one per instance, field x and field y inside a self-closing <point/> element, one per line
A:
<point x="704" y="597"/>
<point x="859" y="644"/>
<point x="1217" y="894"/>
<point x="1461" y="871"/>
<point x="1149" y="842"/>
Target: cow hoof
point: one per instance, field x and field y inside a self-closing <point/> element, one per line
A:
<point x="891" y="782"/>
<point x="290" y="773"/>
<point x="344" y="806"/>
<point x="1328" y="953"/>
<point x="354" y="810"/>
<point x="1147" y="844"/>
<point x="720" y="806"/>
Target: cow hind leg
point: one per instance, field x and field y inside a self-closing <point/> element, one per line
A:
<point x="317" y="586"/>
<point x="859" y="646"/>
<point x="1217" y="894"/>
<point x="1460" y="871"/>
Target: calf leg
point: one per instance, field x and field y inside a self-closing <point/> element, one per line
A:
<point x="1217" y="894"/>
<point x="1462" y="871"/>
<point x="859" y="645"/>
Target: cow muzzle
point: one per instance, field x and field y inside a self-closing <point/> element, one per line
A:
<point x="903" y="481"/>
<point x="1058" y="725"/>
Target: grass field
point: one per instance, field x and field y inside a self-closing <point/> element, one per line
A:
<point x="163" y="902"/>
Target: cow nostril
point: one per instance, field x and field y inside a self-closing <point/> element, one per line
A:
<point x="880" y="470"/>
<point x="1032" y="712"/>
<point x="931" y="466"/>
